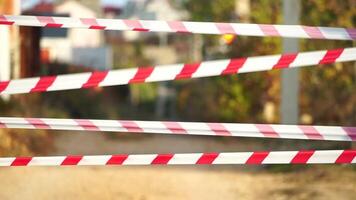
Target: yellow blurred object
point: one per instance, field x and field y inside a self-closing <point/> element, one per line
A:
<point x="228" y="38"/>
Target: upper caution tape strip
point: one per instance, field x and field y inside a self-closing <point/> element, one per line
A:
<point x="262" y="30"/>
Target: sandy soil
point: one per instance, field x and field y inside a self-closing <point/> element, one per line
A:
<point x="143" y="183"/>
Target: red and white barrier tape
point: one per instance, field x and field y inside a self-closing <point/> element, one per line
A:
<point x="257" y="158"/>
<point x="296" y="31"/>
<point x="187" y="128"/>
<point x="175" y="71"/>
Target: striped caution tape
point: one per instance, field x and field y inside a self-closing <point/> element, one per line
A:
<point x="175" y="71"/>
<point x="262" y="30"/>
<point x="240" y="158"/>
<point x="187" y="128"/>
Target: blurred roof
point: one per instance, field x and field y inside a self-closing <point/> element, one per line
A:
<point x="47" y="7"/>
<point x="152" y="10"/>
<point x="112" y="9"/>
<point x="41" y="7"/>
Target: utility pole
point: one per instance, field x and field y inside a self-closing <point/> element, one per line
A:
<point x="290" y="77"/>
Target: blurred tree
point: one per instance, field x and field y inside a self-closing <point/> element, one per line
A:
<point x="210" y="10"/>
<point x="232" y="99"/>
<point x="328" y="92"/>
<point x="247" y="97"/>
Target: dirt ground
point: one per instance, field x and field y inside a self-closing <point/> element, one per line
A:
<point x="143" y="183"/>
<point x="171" y="182"/>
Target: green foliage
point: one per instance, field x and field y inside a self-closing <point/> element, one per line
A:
<point x="266" y="12"/>
<point x="328" y="92"/>
<point x="232" y="98"/>
<point x="243" y="97"/>
<point x="143" y="92"/>
<point x="210" y="10"/>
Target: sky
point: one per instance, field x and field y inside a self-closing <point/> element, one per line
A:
<point x="29" y="3"/>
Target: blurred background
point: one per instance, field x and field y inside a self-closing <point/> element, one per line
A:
<point x="320" y="95"/>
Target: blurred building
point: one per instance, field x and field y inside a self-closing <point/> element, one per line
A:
<point x="93" y="5"/>
<point x="149" y="10"/>
<point x="75" y="46"/>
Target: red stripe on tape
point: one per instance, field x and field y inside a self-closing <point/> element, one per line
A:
<point x="95" y="79"/>
<point x="257" y="158"/>
<point x="97" y="27"/>
<point x="234" y="66"/>
<point x="21" y="161"/>
<point x="267" y="130"/>
<point x="131" y="126"/>
<point x="117" y="159"/>
<point x="351" y="132"/>
<point x="49" y="22"/>
<point x="178" y="27"/>
<point x="269" y="30"/>
<point x="43" y="84"/>
<point x="285" y="61"/>
<point x="71" y="160"/>
<point x="219" y="129"/>
<point x="3" y="85"/>
<point x="92" y="23"/>
<point x="331" y="56"/>
<point x="225" y="28"/>
<point x="175" y="127"/>
<point x="87" y="124"/>
<point x="346" y="156"/>
<point x="311" y="132"/>
<point x="162" y="159"/>
<point x="313" y="32"/>
<point x="141" y="74"/>
<point x="207" y="158"/>
<point x="5" y="21"/>
<point x="38" y="123"/>
<point x="302" y="157"/>
<point x="54" y="25"/>
<point x="187" y="71"/>
<point x="135" y="25"/>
